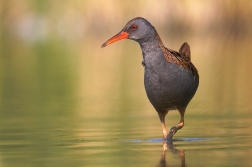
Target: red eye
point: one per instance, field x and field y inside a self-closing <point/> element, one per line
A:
<point x="134" y="27"/>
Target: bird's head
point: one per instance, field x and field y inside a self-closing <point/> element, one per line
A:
<point x="137" y="29"/>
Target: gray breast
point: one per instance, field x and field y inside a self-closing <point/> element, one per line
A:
<point x="168" y="85"/>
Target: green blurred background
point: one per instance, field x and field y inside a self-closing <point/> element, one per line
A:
<point x="51" y="55"/>
<point x="53" y="72"/>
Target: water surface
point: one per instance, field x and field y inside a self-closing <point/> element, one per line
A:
<point x="61" y="141"/>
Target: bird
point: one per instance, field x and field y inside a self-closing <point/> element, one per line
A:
<point x="170" y="78"/>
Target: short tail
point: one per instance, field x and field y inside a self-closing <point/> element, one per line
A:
<point x="185" y="50"/>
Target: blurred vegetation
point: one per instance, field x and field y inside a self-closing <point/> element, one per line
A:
<point x="51" y="58"/>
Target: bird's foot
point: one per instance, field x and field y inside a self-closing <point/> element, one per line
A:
<point x="172" y="132"/>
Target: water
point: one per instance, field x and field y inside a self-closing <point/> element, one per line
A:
<point x="48" y="140"/>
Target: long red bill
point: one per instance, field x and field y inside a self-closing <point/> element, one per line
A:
<point x="117" y="37"/>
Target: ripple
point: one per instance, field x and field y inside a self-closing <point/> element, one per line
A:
<point x="158" y="140"/>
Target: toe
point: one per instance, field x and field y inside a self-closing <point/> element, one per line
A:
<point x="172" y="132"/>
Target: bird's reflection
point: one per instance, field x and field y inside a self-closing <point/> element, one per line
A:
<point x="169" y="146"/>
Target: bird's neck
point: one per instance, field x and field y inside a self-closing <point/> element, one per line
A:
<point x="152" y="45"/>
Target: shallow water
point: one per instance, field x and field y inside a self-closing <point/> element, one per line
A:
<point x="56" y="142"/>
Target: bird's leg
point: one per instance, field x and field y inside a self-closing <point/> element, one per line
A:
<point x="180" y="125"/>
<point x="165" y="132"/>
<point x="162" y="119"/>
